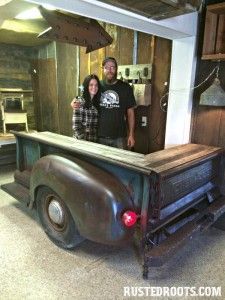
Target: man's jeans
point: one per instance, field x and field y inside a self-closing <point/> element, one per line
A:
<point x="117" y="143"/>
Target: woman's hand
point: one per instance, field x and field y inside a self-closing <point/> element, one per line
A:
<point x="75" y="103"/>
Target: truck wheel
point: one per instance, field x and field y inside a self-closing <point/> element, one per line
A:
<point x="56" y="219"/>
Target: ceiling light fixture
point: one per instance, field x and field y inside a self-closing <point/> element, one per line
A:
<point x="33" y="13"/>
<point x="29" y="14"/>
<point x="214" y="95"/>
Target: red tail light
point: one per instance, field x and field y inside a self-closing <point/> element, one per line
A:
<point x="129" y="218"/>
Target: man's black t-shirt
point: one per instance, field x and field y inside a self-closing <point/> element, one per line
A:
<point x="114" y="102"/>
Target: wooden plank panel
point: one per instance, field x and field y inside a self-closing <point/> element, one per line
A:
<point x="171" y="152"/>
<point x="15" y="66"/>
<point x="126" y="43"/>
<point x="96" y="58"/>
<point x="207" y="126"/>
<point x="161" y="73"/>
<point x="182" y="157"/>
<point x="82" y="148"/>
<point x="144" y="48"/>
<point x="85" y="68"/>
<point x="208" y="121"/>
<point x="221" y="139"/>
<point x="142" y="133"/>
<point x="218" y="8"/>
<point x="178" y="163"/>
<point x="36" y="95"/>
<point x="217" y="56"/>
<point x="210" y="33"/>
<point x="48" y="97"/>
<point x="67" y="82"/>
<point x="220" y="40"/>
<point x="113" y="49"/>
<point x="119" y="157"/>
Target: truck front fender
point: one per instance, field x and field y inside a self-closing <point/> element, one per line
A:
<point x="95" y="198"/>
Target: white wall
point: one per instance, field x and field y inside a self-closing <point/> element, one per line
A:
<point x="182" y="78"/>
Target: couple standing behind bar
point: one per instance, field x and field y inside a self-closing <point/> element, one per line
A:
<point x="104" y="108"/>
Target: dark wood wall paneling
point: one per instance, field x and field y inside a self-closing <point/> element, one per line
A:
<point x="15" y="66"/>
<point x="15" y="72"/>
<point x="208" y="122"/>
<point x="143" y="137"/>
<point x="46" y="98"/>
<point x="67" y="84"/>
<point x="160" y="75"/>
<point x="56" y="84"/>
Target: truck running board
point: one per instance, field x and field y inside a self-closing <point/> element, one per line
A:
<point x="158" y="255"/>
<point x="17" y="191"/>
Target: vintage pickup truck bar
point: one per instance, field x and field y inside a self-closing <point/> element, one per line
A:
<point x="87" y="190"/>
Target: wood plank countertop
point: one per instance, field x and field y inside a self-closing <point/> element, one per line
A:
<point x="159" y="162"/>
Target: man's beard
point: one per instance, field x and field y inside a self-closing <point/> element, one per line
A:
<point x="112" y="80"/>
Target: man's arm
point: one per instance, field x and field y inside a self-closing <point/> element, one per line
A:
<point x="131" y="125"/>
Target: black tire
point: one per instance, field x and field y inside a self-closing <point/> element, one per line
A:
<point x="65" y="234"/>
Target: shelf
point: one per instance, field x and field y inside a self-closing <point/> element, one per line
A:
<point x="214" y="41"/>
<point x="8" y="90"/>
<point x="217" y="8"/>
<point x="218" y="56"/>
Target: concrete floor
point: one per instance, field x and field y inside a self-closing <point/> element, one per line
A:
<point x="32" y="267"/>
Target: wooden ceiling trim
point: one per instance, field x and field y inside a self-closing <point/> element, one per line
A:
<point x="157" y="9"/>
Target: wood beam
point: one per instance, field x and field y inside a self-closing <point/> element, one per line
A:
<point x="175" y="3"/>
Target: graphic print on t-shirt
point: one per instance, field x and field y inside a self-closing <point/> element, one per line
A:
<point x="109" y="99"/>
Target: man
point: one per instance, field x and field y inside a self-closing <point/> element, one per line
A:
<point x="116" y="107"/>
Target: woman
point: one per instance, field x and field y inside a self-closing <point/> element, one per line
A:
<point x="85" y="117"/>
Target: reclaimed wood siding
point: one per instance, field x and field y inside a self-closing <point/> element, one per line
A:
<point x="160" y="75"/>
<point x="55" y="84"/>
<point x="208" y="122"/>
<point x="67" y="84"/>
<point x="46" y="98"/>
<point x="15" y="72"/>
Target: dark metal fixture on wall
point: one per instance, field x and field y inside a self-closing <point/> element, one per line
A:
<point x="214" y="95"/>
<point x="79" y="31"/>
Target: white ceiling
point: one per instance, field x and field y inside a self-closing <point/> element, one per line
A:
<point x="21" y="32"/>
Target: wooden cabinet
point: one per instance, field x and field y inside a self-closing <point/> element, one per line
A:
<point x="214" y="35"/>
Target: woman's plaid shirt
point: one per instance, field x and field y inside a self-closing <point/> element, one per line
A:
<point x="85" y="123"/>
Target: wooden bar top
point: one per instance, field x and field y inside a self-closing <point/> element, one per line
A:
<point x="159" y="162"/>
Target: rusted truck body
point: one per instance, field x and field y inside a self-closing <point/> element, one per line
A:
<point x="83" y="190"/>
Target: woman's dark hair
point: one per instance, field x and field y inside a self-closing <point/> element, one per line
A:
<point x="86" y="95"/>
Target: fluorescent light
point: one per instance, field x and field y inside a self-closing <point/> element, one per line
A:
<point x="29" y="14"/>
